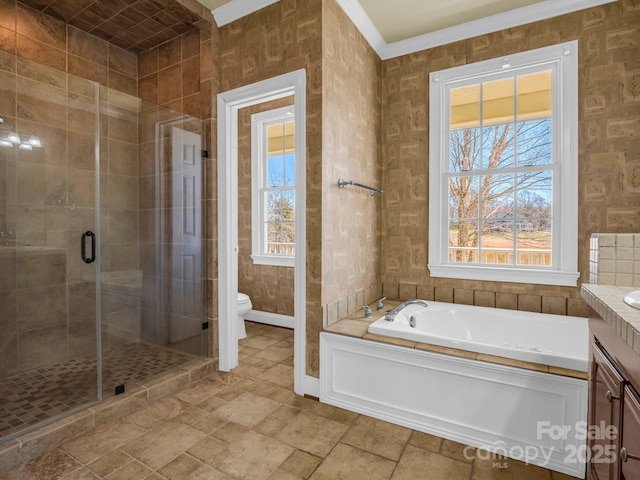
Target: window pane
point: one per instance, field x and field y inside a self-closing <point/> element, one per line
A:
<point x="289" y="170"/>
<point x="274" y="235"/>
<point x="464" y="150"/>
<point x="463" y="197"/>
<point x="280" y="238"/>
<point x="289" y="134"/>
<point x="498" y="146"/>
<point x="497" y="197"/>
<point x="273" y="204"/>
<point x="465" y="107"/>
<point x="534" y="96"/>
<point x="498" y="101"/>
<point x="534" y="142"/>
<point x="275" y="145"/>
<point x="534" y="199"/>
<point x="288" y="205"/>
<point x="463" y="242"/>
<point x="497" y="242"/>
<point x="534" y="241"/>
<point x="288" y="237"/>
<point x="275" y="171"/>
<point x="534" y="215"/>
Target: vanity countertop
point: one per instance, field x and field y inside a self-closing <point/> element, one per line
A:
<point x="607" y="301"/>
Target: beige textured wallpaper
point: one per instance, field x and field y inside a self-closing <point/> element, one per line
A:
<point x="609" y="141"/>
<point x="351" y="149"/>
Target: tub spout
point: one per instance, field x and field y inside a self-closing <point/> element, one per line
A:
<point x="390" y="316"/>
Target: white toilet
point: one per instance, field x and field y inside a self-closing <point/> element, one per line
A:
<point x="244" y="305"/>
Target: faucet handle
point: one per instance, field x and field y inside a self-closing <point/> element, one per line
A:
<point x="367" y="311"/>
<point x="380" y="306"/>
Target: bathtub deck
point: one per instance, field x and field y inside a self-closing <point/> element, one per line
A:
<point x="357" y="326"/>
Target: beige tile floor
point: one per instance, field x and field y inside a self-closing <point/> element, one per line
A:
<point x="249" y="424"/>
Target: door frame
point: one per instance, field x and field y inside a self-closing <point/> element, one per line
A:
<point x="229" y="102"/>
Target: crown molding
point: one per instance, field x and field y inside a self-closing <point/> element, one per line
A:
<point x="512" y="18"/>
<point x="235" y="9"/>
<point x="363" y="23"/>
<point x="500" y="21"/>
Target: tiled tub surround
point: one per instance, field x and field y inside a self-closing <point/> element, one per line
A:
<point x="434" y="389"/>
<point x="356" y="325"/>
<point x="350" y="304"/>
<point x="554" y="340"/>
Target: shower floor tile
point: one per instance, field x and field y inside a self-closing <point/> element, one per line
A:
<point x="45" y="393"/>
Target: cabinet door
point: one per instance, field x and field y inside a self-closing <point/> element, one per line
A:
<point x="630" y="451"/>
<point x="605" y="411"/>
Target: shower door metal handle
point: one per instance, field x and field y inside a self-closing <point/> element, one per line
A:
<point x="83" y="247"/>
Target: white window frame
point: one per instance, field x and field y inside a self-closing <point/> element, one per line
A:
<point x="259" y="122"/>
<point x="562" y="59"/>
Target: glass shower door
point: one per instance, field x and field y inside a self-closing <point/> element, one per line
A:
<point x="49" y="348"/>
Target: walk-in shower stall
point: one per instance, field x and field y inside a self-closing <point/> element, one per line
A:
<point x="100" y="233"/>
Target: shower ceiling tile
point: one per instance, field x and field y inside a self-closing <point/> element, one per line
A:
<point x="134" y="25"/>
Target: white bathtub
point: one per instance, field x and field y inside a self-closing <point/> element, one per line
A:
<point x="555" y="340"/>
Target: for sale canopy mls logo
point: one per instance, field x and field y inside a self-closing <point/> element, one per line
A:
<point x="604" y="452"/>
<point x="575" y="450"/>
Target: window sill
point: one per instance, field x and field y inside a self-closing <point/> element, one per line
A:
<point x="274" y="260"/>
<point x="497" y="274"/>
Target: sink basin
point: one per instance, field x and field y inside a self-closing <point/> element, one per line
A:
<point x="633" y="299"/>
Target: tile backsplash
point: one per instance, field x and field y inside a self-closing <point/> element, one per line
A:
<point x="615" y="259"/>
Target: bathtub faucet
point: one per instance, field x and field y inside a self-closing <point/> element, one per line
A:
<point x="390" y="316"/>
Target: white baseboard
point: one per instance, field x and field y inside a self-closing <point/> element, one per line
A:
<point x="268" y="318"/>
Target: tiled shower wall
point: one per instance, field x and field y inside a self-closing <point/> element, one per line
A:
<point x="609" y="129"/>
<point x="54" y="188"/>
<point x="175" y="81"/>
<point x="269" y="287"/>
<point x="36" y="53"/>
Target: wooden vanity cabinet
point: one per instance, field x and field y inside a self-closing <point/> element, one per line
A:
<point x="630" y="449"/>
<point x="614" y="400"/>
<point x="605" y="410"/>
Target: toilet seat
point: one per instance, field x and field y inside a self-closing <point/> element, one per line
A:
<point x="243" y="298"/>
